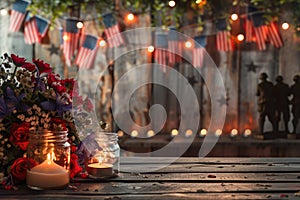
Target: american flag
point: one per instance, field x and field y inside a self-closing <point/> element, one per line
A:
<point x="161" y="52"/>
<point x="35" y="29"/>
<point x="224" y="42"/>
<point x="248" y="30"/>
<point x="274" y="35"/>
<point x="112" y="31"/>
<point x="18" y="14"/>
<point x="31" y="32"/>
<point x="175" y="45"/>
<point x="260" y="30"/>
<point x="70" y="39"/>
<point x="199" y="51"/>
<point x="87" y="52"/>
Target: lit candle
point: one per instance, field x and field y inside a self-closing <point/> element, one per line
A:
<point x="98" y="170"/>
<point x="47" y="175"/>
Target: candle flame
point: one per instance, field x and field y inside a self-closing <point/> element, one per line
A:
<point x="50" y="157"/>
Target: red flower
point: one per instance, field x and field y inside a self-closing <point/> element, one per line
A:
<point x="43" y="67"/>
<point x="17" y="60"/>
<point x="19" y="168"/>
<point x="19" y="134"/>
<point x="53" y="78"/>
<point x="69" y="84"/>
<point x="58" y="124"/>
<point x="29" y="66"/>
<point x="88" y="106"/>
<point x="75" y="168"/>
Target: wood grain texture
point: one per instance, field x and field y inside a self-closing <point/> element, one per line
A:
<point x="186" y="178"/>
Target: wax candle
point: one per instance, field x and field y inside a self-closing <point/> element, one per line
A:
<point x="100" y="170"/>
<point x="47" y="175"/>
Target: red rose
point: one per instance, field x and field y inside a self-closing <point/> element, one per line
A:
<point x="17" y="60"/>
<point x="43" y="67"/>
<point x="74" y="166"/>
<point x="19" y="134"/>
<point x="69" y="84"/>
<point x="19" y="168"/>
<point x="29" y="66"/>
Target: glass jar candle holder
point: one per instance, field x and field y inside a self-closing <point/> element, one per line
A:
<point x="49" y="155"/>
<point x="104" y="161"/>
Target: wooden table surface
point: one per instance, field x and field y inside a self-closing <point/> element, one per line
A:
<point x="186" y="178"/>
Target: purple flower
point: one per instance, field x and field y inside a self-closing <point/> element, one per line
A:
<point x="4" y="110"/>
<point x="62" y="104"/>
<point x="14" y="102"/>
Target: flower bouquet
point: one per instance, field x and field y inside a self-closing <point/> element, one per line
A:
<point x="33" y="97"/>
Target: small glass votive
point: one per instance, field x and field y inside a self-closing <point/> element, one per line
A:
<point x="104" y="161"/>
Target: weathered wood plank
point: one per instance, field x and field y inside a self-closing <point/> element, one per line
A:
<point x="205" y="177"/>
<point x="209" y="160"/>
<point x="116" y="188"/>
<point x="206" y="168"/>
<point x="174" y="196"/>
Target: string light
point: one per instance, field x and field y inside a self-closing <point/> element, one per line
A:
<point x="234" y="17"/>
<point x="188" y="44"/>
<point x="188" y="133"/>
<point x="65" y="37"/>
<point x="174" y="132"/>
<point x="120" y="133"/>
<point x="218" y="132"/>
<point x="102" y="43"/>
<point x="240" y="37"/>
<point x="247" y="132"/>
<point x="234" y="132"/>
<point x="150" y="133"/>
<point x="130" y="17"/>
<point x="203" y="132"/>
<point x="285" y="26"/>
<point x="172" y="4"/>
<point x="3" y="12"/>
<point x="150" y="49"/>
<point x="134" y="133"/>
<point x="79" y="25"/>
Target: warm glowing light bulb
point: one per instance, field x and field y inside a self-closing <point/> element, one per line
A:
<point x="134" y="133"/>
<point x="120" y="133"/>
<point x="198" y="1"/>
<point x="203" y="132"/>
<point x="234" y="132"/>
<point x="150" y="133"/>
<point x="79" y="25"/>
<point x="188" y="44"/>
<point x="174" y="132"/>
<point x="240" y="37"/>
<point x="102" y="43"/>
<point x="247" y="132"/>
<point x="188" y="133"/>
<point x="172" y="4"/>
<point x="3" y="12"/>
<point x="234" y="17"/>
<point x="285" y="26"/>
<point x="218" y="132"/>
<point x="65" y="38"/>
<point x="130" y="17"/>
<point x="150" y="49"/>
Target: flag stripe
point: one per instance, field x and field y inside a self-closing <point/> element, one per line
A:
<point x="224" y="42"/>
<point x="198" y="57"/>
<point x="114" y="37"/>
<point x="261" y="36"/>
<point x="31" y="32"/>
<point x="248" y="30"/>
<point x="70" y="45"/>
<point x="16" y="21"/>
<point x="274" y="35"/>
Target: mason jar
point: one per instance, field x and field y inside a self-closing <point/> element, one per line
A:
<point x="48" y="156"/>
<point x="104" y="160"/>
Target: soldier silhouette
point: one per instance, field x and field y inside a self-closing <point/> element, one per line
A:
<point x="265" y="102"/>
<point x="295" y="91"/>
<point x="281" y="93"/>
